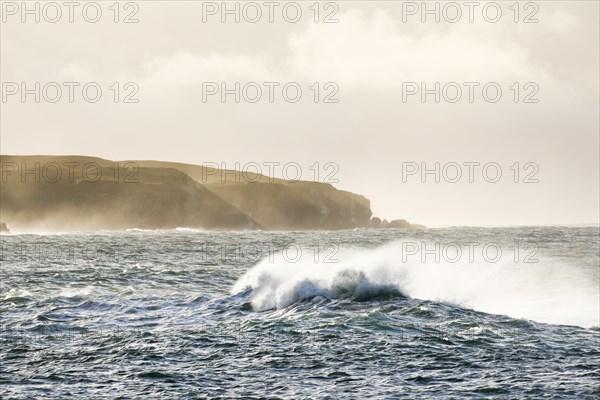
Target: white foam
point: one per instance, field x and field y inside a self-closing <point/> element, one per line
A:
<point x="193" y="230"/>
<point x="75" y="292"/>
<point x="548" y="291"/>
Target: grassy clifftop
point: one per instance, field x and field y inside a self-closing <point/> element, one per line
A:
<point x="80" y="193"/>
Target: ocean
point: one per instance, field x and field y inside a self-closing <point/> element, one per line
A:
<point x="499" y="313"/>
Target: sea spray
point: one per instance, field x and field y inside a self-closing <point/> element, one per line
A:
<point x="548" y="291"/>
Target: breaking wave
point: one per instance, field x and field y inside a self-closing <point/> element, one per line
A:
<point x="548" y="291"/>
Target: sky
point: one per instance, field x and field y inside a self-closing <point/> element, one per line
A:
<point x="513" y="138"/>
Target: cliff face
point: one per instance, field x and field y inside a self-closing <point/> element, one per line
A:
<point x="108" y="198"/>
<point x="300" y="205"/>
<point x="86" y="193"/>
<point x="279" y="204"/>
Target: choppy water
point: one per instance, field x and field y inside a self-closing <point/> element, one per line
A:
<point x="352" y="314"/>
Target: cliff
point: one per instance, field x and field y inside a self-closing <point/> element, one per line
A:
<point x="87" y="193"/>
<point x="278" y="204"/>
<point x="40" y="195"/>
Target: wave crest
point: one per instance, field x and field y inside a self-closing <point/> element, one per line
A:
<point x="278" y="284"/>
<point x="550" y="292"/>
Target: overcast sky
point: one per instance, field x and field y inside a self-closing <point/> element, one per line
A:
<point x="376" y="130"/>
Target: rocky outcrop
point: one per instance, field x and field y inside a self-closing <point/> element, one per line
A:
<point x="4" y="228"/>
<point x="375" y="222"/>
<point x="394" y="224"/>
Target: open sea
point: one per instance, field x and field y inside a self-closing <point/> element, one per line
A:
<point x="482" y="313"/>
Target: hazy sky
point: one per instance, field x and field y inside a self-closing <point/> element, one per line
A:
<point x="375" y="55"/>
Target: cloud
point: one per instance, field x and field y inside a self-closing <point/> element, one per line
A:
<point x="77" y="72"/>
<point x="365" y="51"/>
<point x="370" y="50"/>
<point x="191" y="69"/>
<point x="560" y="21"/>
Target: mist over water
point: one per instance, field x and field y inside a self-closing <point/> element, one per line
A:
<point x="185" y="313"/>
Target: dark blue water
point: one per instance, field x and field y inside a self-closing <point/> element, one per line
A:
<point x="353" y="314"/>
